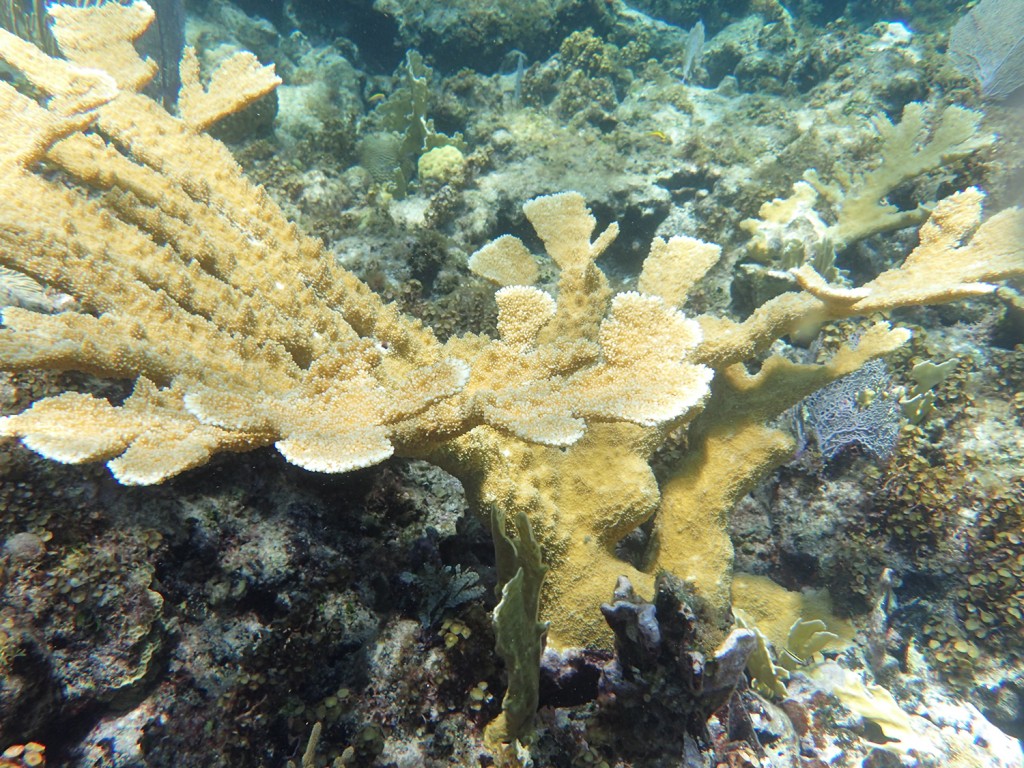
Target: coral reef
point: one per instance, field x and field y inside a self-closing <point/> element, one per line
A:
<point x="483" y="32"/>
<point x="166" y="313"/>
<point x="400" y="139"/>
<point x="228" y="359"/>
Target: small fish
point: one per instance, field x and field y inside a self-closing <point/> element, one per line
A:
<point x="18" y="290"/>
<point x="660" y="136"/>
<point x="376" y="99"/>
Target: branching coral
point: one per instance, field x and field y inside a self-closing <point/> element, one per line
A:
<point x="790" y="232"/>
<point x="239" y="332"/>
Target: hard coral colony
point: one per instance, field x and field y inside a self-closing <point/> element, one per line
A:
<point x="239" y="333"/>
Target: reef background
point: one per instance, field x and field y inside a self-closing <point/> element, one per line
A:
<point x="212" y="620"/>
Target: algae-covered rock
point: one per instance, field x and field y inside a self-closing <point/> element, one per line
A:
<point x="463" y="30"/>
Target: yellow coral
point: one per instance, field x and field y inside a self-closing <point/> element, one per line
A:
<point x="441" y="165"/>
<point x="505" y="261"/>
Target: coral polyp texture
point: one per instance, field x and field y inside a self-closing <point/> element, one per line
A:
<point x="240" y="332"/>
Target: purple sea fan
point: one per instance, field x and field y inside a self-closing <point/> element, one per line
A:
<point x="838" y="416"/>
<point x="988" y="45"/>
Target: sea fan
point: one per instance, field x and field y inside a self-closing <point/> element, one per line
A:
<point x="988" y="45"/>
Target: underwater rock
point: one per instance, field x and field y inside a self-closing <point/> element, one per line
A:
<point x="464" y="30"/>
<point x="714" y="13"/>
<point x="655" y="652"/>
<point x="1003" y="704"/>
<point x="87" y="635"/>
<point x="23" y="548"/>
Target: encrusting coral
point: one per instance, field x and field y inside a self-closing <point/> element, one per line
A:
<point x="239" y="332"/>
